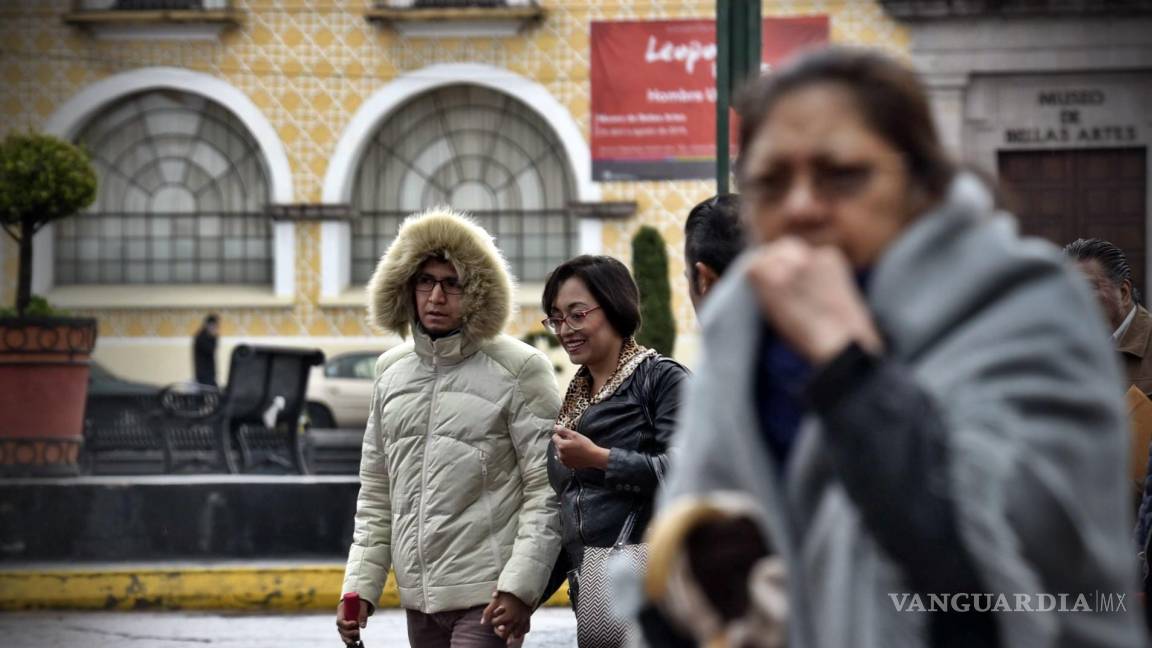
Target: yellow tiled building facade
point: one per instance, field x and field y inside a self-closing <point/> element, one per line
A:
<point x="302" y="74"/>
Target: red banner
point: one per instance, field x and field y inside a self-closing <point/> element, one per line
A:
<point x="654" y="93"/>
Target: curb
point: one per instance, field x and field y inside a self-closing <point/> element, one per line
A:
<point x="295" y="587"/>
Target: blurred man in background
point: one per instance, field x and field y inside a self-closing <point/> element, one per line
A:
<point x="204" y="350"/>
<point x="712" y="239"/>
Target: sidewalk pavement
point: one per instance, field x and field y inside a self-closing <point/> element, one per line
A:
<point x="551" y="628"/>
<point x="249" y="586"/>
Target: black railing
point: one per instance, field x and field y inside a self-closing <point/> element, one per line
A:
<point x="533" y="241"/>
<point x="184" y="248"/>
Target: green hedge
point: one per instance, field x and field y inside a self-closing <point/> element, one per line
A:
<point x="650" y="267"/>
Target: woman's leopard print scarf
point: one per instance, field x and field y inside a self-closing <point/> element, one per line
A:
<point x="579" y="395"/>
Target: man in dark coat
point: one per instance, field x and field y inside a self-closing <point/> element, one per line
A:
<point x="713" y="239"/>
<point x="204" y="350"/>
<point x="1107" y="271"/>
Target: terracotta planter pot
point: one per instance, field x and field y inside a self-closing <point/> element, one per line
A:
<point x="43" y="388"/>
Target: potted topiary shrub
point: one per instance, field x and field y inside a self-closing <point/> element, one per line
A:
<point x="650" y="267"/>
<point x="43" y="355"/>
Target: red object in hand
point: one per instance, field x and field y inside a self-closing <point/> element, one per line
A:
<point x="351" y="606"/>
<point x="351" y="602"/>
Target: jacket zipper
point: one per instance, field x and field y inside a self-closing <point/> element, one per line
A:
<point x="579" y="497"/>
<point x="579" y="518"/>
<point x="424" y="477"/>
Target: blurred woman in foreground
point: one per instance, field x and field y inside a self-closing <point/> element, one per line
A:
<point x="917" y="400"/>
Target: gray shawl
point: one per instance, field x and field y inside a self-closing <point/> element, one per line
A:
<point x="1011" y="346"/>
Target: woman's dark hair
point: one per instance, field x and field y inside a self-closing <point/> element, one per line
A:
<point x="888" y="95"/>
<point x="1110" y="258"/>
<point x="611" y="286"/>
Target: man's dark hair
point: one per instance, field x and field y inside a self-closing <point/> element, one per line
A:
<point x="888" y="95"/>
<point x="1110" y="258"/>
<point x="712" y="234"/>
<point x="211" y="318"/>
<point x="611" y="286"/>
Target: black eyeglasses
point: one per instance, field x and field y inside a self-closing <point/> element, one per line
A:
<point x="575" y="320"/>
<point x="830" y="181"/>
<point x="450" y="285"/>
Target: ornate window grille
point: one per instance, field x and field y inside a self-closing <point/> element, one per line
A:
<point x="476" y="150"/>
<point x="182" y="193"/>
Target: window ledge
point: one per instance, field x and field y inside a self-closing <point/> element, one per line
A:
<point x="155" y="25"/>
<point x="943" y="9"/>
<point x="352" y="297"/>
<point x="462" y="22"/>
<point x="527" y="295"/>
<point x="174" y="296"/>
<point x="611" y="210"/>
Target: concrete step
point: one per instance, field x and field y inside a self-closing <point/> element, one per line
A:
<point x="181" y="517"/>
<point x="185" y="585"/>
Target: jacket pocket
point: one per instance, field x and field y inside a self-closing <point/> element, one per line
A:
<point x="486" y="495"/>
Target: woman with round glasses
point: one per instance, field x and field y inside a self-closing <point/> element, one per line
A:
<point x="609" y="452"/>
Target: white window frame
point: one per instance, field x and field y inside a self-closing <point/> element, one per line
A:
<point x="336" y="237"/>
<point x="73" y="115"/>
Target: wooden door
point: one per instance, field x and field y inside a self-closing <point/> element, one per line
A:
<point x="1066" y="195"/>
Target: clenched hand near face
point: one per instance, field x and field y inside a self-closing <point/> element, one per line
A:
<point x="808" y="294"/>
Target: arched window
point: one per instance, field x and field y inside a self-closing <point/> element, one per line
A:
<point x="477" y="150"/>
<point x="181" y="197"/>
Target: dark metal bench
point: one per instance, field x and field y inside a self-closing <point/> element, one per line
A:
<point x="263" y="404"/>
<point x="252" y="426"/>
<point x="195" y="434"/>
<point x="120" y="437"/>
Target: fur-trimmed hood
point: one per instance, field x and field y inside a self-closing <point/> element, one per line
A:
<point x="487" y="298"/>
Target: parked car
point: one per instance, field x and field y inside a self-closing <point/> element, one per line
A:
<point x="102" y="382"/>
<point x="340" y="392"/>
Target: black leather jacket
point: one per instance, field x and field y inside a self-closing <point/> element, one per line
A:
<point x="636" y="424"/>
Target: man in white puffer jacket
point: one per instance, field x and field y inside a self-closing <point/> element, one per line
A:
<point x="454" y="493"/>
